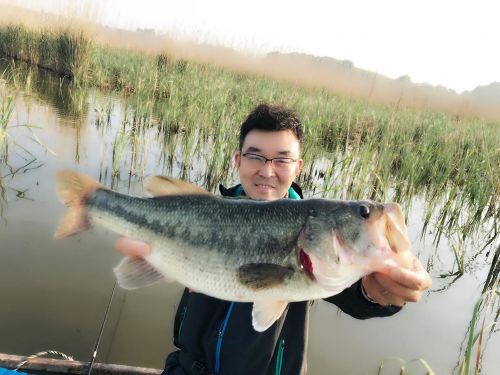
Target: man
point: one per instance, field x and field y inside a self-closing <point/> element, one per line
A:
<point x="217" y="337"/>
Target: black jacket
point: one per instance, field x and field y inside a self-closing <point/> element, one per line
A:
<point x="217" y="337"/>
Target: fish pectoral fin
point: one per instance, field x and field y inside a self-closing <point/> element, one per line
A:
<point x="263" y="275"/>
<point x="265" y="313"/>
<point x="158" y="186"/>
<point x="135" y="272"/>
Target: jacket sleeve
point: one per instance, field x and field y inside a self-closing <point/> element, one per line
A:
<point x="352" y="302"/>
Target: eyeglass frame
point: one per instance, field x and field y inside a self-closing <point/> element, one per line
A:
<point x="265" y="160"/>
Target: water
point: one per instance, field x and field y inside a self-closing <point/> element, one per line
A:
<point x="54" y="293"/>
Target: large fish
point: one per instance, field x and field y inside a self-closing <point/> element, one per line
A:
<point x="269" y="253"/>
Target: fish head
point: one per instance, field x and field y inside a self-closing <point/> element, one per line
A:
<point x="372" y="229"/>
<point x="344" y="241"/>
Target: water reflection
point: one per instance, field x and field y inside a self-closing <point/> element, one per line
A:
<point x="122" y="141"/>
<point x="69" y="101"/>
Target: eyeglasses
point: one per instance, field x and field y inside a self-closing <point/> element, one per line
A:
<point x="258" y="161"/>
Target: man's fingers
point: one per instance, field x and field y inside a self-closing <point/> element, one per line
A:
<point x="379" y="293"/>
<point x="130" y="247"/>
<point x="396" y="292"/>
<point x="398" y="285"/>
<point x="416" y="279"/>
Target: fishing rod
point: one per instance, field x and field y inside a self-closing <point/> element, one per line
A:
<point x="103" y="324"/>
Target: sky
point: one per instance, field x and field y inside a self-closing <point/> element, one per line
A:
<point x="453" y="43"/>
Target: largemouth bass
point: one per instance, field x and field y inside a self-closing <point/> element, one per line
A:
<point x="266" y="252"/>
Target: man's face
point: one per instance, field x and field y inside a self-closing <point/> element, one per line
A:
<point x="268" y="181"/>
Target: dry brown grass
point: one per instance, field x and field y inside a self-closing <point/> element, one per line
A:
<point x="301" y="70"/>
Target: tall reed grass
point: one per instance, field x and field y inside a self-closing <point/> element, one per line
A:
<point x="63" y="51"/>
<point x="353" y="149"/>
<point x="370" y="151"/>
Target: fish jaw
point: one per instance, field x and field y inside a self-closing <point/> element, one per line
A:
<point x="335" y="261"/>
<point x="389" y="236"/>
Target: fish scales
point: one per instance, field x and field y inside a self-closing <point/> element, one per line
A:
<point x="269" y="253"/>
<point x="241" y="235"/>
<point x="229" y="226"/>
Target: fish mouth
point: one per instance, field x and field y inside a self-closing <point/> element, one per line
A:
<point x="396" y="230"/>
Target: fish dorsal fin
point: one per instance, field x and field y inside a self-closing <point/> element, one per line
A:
<point x="135" y="272"/>
<point x="158" y="186"/>
<point x="265" y="313"/>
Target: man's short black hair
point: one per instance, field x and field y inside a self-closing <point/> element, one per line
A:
<point x="272" y="118"/>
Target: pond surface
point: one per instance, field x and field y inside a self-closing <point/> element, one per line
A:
<point x="54" y="293"/>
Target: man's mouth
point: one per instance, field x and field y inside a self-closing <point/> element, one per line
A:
<point x="264" y="186"/>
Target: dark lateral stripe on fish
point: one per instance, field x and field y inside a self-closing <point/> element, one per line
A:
<point x="145" y="212"/>
<point x="123" y="207"/>
<point x="118" y="207"/>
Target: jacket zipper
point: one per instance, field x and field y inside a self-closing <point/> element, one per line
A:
<point x="279" y="357"/>
<point x="181" y="323"/>
<point x="222" y="329"/>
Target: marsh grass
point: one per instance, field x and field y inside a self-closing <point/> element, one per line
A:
<point x="353" y="150"/>
<point x="63" y="51"/>
<point x="484" y="318"/>
<point x="372" y="151"/>
<point x="6" y="110"/>
<point x="406" y="367"/>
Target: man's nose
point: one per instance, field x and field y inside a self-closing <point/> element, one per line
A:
<point x="267" y="170"/>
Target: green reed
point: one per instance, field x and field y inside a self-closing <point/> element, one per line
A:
<point x="406" y="367"/>
<point x="6" y="110"/>
<point x="486" y="307"/>
<point x="68" y="99"/>
<point x="353" y="149"/>
<point x="63" y="51"/>
<point x="373" y="151"/>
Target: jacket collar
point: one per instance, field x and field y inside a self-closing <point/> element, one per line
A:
<point x="294" y="192"/>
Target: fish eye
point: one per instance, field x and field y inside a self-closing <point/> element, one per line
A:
<point x="364" y="211"/>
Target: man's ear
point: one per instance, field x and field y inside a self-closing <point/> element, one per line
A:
<point x="298" y="167"/>
<point x="237" y="159"/>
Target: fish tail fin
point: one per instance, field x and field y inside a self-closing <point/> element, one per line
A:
<point x="72" y="189"/>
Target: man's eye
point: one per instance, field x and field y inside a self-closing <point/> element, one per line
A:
<point x="254" y="157"/>
<point x="282" y="161"/>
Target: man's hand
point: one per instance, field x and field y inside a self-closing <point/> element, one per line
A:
<point x="130" y="247"/>
<point x="399" y="286"/>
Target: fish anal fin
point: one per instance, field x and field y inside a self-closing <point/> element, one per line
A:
<point x="164" y="185"/>
<point x="72" y="189"/>
<point x="135" y="272"/>
<point x="265" y="313"/>
<point x="263" y="275"/>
